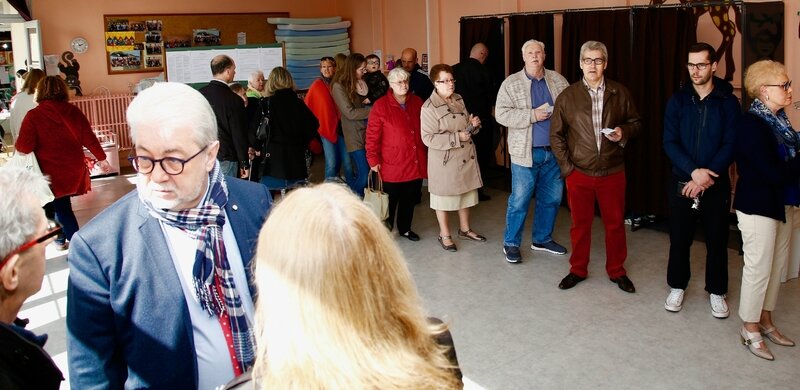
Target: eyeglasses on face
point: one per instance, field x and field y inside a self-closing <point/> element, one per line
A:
<point x="170" y="165"/>
<point x="785" y="85"/>
<point x="374" y="62"/>
<point x="449" y="81"/>
<point x="596" y="61"/>
<point x="53" y="229"/>
<point x="700" y="66"/>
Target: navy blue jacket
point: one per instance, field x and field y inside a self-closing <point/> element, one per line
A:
<point x="763" y="173"/>
<point x="128" y="325"/>
<point x="701" y="133"/>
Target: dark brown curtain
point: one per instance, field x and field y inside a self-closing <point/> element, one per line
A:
<point x="611" y="27"/>
<point x="762" y="35"/>
<point x="659" y="48"/>
<point x="22" y="7"/>
<point x="490" y="32"/>
<point x="522" y="28"/>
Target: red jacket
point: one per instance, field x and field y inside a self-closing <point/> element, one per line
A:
<point x="57" y="132"/>
<point x="394" y="140"/>
<point x="319" y="100"/>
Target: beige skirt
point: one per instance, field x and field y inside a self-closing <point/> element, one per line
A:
<point x="454" y="202"/>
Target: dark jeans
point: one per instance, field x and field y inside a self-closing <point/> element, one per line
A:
<point x="403" y="197"/>
<point x="714" y="209"/>
<point x="60" y="209"/>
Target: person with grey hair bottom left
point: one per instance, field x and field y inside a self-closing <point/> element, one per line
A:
<point x="24" y="234"/>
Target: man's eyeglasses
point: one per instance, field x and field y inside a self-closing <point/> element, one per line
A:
<point x="700" y="66"/>
<point x="374" y="62"/>
<point x="53" y="229"/>
<point x="785" y="85"/>
<point x="596" y="61"/>
<point x="451" y="81"/>
<point x="170" y="165"/>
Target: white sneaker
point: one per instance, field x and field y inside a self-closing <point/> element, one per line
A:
<point x="674" y="301"/>
<point x="719" y="307"/>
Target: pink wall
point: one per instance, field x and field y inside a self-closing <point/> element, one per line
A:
<point x="61" y="21"/>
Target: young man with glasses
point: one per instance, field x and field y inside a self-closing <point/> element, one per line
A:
<point x="591" y="124"/>
<point x="159" y="293"/>
<point x="699" y="136"/>
<point x="24" y="234"/>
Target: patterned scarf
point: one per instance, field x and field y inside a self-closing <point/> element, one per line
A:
<point x="212" y="276"/>
<point x="780" y="125"/>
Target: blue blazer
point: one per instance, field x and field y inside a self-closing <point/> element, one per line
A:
<point x="128" y="325"/>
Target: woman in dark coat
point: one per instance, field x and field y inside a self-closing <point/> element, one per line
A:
<point x="292" y="127"/>
<point x="57" y="131"/>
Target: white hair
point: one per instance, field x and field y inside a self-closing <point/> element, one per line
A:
<point x="593" y="45"/>
<point x="531" y="42"/>
<point x="254" y="75"/>
<point x="19" y="218"/>
<point x="397" y="74"/>
<point x="173" y="106"/>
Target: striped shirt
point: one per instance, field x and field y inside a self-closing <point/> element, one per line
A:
<point x="597" y="108"/>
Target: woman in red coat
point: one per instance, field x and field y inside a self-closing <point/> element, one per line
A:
<point x="56" y="131"/>
<point x="395" y="149"/>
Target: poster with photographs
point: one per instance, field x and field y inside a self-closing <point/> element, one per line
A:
<point x="125" y="60"/>
<point x="118" y="25"/>
<point x="206" y="37"/>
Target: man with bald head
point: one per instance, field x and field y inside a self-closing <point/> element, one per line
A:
<point x="229" y="110"/>
<point x="476" y="87"/>
<point x="419" y="83"/>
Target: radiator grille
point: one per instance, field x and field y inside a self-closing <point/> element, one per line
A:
<point x="107" y="113"/>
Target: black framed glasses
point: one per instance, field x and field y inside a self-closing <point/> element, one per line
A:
<point x="170" y="165"/>
<point x="596" y="61"/>
<point x="374" y="62"/>
<point x="53" y="229"/>
<point x="700" y="66"/>
<point x="451" y="81"/>
<point x="785" y="85"/>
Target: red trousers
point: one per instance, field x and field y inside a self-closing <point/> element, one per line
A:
<point x="609" y="191"/>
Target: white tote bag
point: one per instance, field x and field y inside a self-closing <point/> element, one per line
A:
<point x="29" y="162"/>
<point x="375" y="198"/>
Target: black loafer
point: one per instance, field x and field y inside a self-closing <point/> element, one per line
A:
<point x="570" y="281"/>
<point x="411" y="235"/>
<point x="624" y="284"/>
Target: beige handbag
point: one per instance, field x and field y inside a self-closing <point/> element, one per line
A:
<point x="375" y="198"/>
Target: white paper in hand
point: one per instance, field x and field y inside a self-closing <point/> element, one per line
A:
<point x="606" y="131"/>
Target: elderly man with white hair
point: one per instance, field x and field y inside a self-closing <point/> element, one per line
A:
<point x="159" y="293"/>
<point x="24" y="233"/>
<point x="255" y="84"/>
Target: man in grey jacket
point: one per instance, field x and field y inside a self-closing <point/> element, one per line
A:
<point x="524" y="105"/>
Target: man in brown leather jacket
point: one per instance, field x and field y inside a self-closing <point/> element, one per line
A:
<point x="591" y="124"/>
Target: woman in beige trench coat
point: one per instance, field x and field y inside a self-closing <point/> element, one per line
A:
<point x="453" y="174"/>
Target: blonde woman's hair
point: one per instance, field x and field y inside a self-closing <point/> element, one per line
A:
<point x="279" y="78"/>
<point x="337" y="306"/>
<point x="760" y="73"/>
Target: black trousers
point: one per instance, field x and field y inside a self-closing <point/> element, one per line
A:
<point x="714" y="210"/>
<point x="402" y="198"/>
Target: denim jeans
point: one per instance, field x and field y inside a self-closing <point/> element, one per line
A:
<point x="361" y="171"/>
<point x="543" y="181"/>
<point x="336" y="157"/>
<point x="65" y="216"/>
<point x="229" y="168"/>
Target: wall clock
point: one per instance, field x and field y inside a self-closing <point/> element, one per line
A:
<point x="79" y="45"/>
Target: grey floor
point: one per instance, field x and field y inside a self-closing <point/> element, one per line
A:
<point x="514" y="329"/>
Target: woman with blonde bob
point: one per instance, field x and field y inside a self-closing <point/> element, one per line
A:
<point x="337" y="305"/>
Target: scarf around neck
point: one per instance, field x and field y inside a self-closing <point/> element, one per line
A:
<point x="212" y="277"/>
<point x="780" y="125"/>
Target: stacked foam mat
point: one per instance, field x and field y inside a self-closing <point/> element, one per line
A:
<point x="308" y="40"/>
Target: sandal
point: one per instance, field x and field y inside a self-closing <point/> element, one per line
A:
<point x="473" y="236"/>
<point x="755" y="344"/>
<point x="449" y="248"/>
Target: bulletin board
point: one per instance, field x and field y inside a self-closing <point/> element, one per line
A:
<point x="191" y="65"/>
<point x="138" y="43"/>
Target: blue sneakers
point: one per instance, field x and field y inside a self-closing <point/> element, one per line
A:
<point x="512" y="254"/>
<point x="552" y="247"/>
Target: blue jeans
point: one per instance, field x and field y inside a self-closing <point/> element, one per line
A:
<point x="544" y="180"/>
<point x="336" y="157"/>
<point x="65" y="216"/>
<point x="362" y="171"/>
<point x="229" y="168"/>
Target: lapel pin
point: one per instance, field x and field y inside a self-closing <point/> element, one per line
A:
<point x="235" y="207"/>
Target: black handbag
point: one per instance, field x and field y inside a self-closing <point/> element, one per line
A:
<point x="262" y="133"/>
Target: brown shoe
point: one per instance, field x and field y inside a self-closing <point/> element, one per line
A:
<point x="570" y="281"/>
<point x="624" y="284"/>
<point x="471" y="235"/>
<point x="449" y="248"/>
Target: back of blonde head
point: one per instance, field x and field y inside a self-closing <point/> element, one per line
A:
<point x="337" y="306"/>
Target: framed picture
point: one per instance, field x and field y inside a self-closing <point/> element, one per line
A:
<point x="125" y="60"/>
<point x="206" y="37"/>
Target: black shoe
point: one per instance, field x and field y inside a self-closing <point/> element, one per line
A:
<point x="482" y="197"/>
<point x="411" y="235"/>
<point x="570" y="281"/>
<point x="624" y="284"/>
